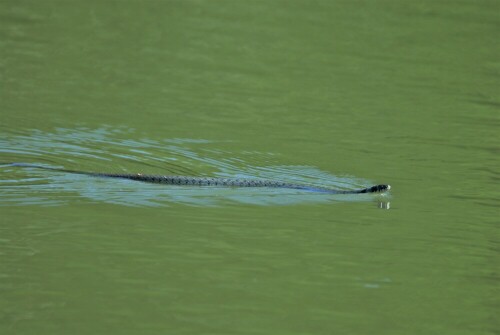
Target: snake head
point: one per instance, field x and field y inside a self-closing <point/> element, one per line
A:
<point x="379" y="188"/>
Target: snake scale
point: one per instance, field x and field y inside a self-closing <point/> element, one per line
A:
<point x="210" y="181"/>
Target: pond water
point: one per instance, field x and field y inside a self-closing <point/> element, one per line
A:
<point x="338" y="94"/>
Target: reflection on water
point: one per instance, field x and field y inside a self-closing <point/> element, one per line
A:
<point x="112" y="150"/>
<point x="382" y="204"/>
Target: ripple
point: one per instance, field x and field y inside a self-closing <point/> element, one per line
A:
<point x="116" y="150"/>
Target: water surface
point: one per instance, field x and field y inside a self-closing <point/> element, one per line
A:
<point x="348" y="94"/>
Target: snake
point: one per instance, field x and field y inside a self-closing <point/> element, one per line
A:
<point x="210" y="181"/>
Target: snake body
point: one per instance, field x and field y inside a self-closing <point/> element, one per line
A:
<point x="211" y="181"/>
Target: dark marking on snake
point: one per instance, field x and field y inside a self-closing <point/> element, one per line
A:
<point x="209" y="181"/>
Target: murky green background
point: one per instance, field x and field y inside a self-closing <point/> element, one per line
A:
<point x="345" y="93"/>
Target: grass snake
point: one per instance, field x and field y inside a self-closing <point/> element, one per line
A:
<point x="210" y="181"/>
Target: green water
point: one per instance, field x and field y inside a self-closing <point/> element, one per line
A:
<point x="339" y="93"/>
